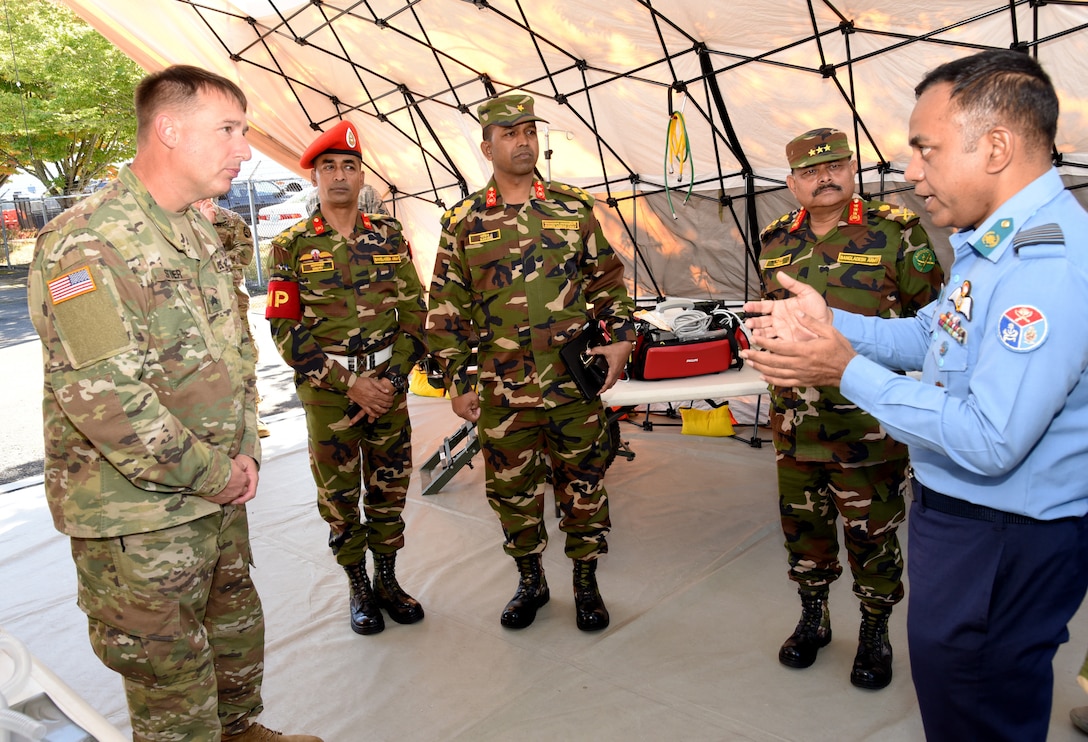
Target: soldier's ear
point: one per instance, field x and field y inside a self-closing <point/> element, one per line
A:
<point x="485" y="147"/>
<point x="166" y="129"/>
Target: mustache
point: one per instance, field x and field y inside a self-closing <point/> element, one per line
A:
<point x="828" y="187"/>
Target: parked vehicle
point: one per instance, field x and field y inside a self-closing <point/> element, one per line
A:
<point x="265" y="193"/>
<point x="271" y="220"/>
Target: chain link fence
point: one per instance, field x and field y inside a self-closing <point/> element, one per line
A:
<point x="24" y="215"/>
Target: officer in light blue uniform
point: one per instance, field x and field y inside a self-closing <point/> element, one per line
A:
<point x="998" y="538"/>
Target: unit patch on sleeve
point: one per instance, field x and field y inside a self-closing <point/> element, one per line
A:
<point x="1022" y="328"/>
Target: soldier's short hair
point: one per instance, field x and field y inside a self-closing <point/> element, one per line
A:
<point x="1000" y="87"/>
<point x="178" y="85"/>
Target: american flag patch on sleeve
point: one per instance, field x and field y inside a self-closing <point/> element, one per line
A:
<point x="71" y="285"/>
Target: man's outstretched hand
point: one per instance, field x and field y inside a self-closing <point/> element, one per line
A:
<point x="779" y="318"/>
<point x="794" y="343"/>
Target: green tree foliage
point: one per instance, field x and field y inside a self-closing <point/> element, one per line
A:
<point x="65" y="97"/>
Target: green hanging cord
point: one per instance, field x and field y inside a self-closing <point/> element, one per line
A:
<point x="678" y="148"/>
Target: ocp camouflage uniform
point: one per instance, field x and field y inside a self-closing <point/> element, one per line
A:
<point x="359" y="294"/>
<point x="237" y="241"/>
<point x="149" y="394"/>
<point x="517" y="282"/>
<point x="833" y="458"/>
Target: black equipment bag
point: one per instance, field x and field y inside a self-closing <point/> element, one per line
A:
<point x="589" y="371"/>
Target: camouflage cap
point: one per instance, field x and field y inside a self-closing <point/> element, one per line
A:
<point x="507" y="110"/>
<point x="816" y="146"/>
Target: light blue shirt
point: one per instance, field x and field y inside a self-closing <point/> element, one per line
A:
<point x="1000" y="415"/>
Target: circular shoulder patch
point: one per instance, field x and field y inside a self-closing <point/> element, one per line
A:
<point x="1022" y="328"/>
<point x="924" y="259"/>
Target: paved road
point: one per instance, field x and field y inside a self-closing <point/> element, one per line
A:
<point x="21" y="447"/>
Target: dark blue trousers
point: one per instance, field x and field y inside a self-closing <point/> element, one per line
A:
<point x="988" y="605"/>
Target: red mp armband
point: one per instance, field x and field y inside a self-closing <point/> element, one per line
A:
<point x="283" y="301"/>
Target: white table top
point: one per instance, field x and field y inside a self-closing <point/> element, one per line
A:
<point x="629" y="393"/>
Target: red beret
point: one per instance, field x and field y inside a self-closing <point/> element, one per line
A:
<point x="342" y="139"/>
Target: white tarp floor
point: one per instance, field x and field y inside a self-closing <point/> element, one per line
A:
<point x="695" y="582"/>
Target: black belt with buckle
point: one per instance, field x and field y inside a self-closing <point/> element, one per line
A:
<point x="934" y="500"/>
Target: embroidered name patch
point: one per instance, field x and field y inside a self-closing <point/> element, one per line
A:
<point x="858" y="259"/>
<point x="1022" y="328"/>
<point x="776" y="262"/>
<point x="387" y="260"/>
<point x="71" y="285"/>
<point x="481" y="237"/>
<point x="559" y="223"/>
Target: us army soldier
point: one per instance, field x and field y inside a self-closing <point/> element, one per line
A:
<point x="151" y="448"/>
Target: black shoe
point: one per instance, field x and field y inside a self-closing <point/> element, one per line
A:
<point x="590" y="613"/>
<point x="532" y="593"/>
<point x="813" y="632"/>
<point x="400" y="606"/>
<point x="366" y="617"/>
<point x="873" y="663"/>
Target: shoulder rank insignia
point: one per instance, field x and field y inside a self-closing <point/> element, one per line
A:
<point x="779" y="222"/>
<point x="899" y="214"/>
<point x="453" y="216"/>
<point x="575" y="191"/>
<point x="319" y="225"/>
<point x="993" y="237"/>
<point x="538" y="191"/>
<point x="492" y="198"/>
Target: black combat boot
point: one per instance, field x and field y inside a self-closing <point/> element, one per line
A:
<point x="873" y="662"/>
<point x="589" y="609"/>
<point x="400" y="606"/>
<point x="813" y="632"/>
<point x="532" y="593"/>
<point x="366" y="617"/>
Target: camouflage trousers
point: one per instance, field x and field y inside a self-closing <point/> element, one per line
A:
<point x="367" y="462"/>
<point x="869" y="497"/>
<point x="175" y="612"/>
<point x="523" y="450"/>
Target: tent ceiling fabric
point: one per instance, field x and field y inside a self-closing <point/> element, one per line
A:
<point x="747" y="75"/>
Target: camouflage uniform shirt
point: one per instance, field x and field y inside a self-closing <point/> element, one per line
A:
<point x="149" y="389"/>
<point x="878" y="262"/>
<point x="518" y="281"/>
<point x="357" y="296"/>
<point x="237" y="241"/>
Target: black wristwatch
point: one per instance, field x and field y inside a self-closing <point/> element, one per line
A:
<point x="400" y="383"/>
